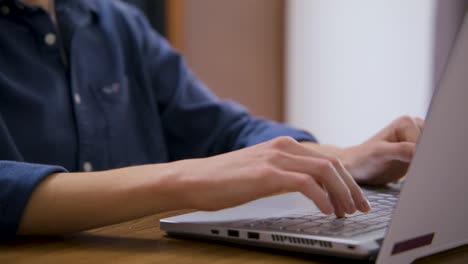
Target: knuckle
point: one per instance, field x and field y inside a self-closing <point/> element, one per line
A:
<point x="405" y="149"/>
<point x="266" y="171"/>
<point x="283" y="142"/>
<point x="335" y="161"/>
<point x="420" y="120"/>
<point x="406" y="120"/>
<point x="274" y="156"/>
<point x="324" y="167"/>
<point x="301" y="181"/>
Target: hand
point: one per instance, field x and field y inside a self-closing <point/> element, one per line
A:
<point x="79" y="201"/>
<point x="280" y="165"/>
<point x="385" y="157"/>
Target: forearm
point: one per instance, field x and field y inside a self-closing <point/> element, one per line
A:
<point x="70" y="202"/>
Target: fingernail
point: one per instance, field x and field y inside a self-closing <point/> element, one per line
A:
<point x="329" y="208"/>
<point x="351" y="208"/>
<point x="340" y="214"/>
<point x="366" y="205"/>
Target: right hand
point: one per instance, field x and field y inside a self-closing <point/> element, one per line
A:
<point x="80" y="201"/>
<point x="277" y="166"/>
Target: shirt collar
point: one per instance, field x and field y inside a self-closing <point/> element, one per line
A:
<point x="89" y="5"/>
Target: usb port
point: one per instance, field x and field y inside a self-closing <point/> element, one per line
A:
<point x="233" y="233"/>
<point x="253" y="235"/>
<point x="214" y="232"/>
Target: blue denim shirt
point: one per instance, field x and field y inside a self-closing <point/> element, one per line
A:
<point x="102" y="90"/>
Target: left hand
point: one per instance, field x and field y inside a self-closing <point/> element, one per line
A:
<point x="385" y="157"/>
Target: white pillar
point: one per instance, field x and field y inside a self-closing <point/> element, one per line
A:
<point x="353" y="66"/>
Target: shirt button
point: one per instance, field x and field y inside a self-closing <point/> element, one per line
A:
<point x="5" y="10"/>
<point x="50" y="39"/>
<point x="87" y="166"/>
<point x="77" y="98"/>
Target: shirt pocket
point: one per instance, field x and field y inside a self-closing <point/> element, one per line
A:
<point x="113" y="94"/>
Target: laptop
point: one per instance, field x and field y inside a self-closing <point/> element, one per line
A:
<point x="424" y="215"/>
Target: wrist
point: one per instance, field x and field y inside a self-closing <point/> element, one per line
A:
<point x="330" y="150"/>
<point x="160" y="185"/>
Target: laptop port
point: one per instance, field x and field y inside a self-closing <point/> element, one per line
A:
<point x="253" y="235"/>
<point x="233" y="233"/>
<point x="214" y="232"/>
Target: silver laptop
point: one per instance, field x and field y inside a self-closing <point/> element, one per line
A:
<point x="426" y="215"/>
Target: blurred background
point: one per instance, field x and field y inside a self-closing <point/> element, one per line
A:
<point x="340" y="69"/>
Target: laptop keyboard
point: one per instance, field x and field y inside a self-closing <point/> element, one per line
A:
<point x="316" y="223"/>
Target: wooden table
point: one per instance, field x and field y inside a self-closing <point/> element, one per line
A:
<point x="141" y="241"/>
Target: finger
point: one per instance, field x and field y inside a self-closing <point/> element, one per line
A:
<point x="339" y="211"/>
<point x="287" y="181"/>
<point x="401" y="151"/>
<point x="335" y="184"/>
<point x="407" y="129"/>
<point x="316" y="193"/>
<point x="404" y="128"/>
<point x="321" y="170"/>
<point x="399" y="180"/>
<point x="419" y="122"/>
<point x="296" y="157"/>
<point x="361" y="202"/>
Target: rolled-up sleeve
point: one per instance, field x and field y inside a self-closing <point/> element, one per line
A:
<point x="17" y="182"/>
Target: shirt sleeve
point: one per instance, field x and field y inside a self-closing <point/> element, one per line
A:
<point x="197" y="123"/>
<point x="17" y="182"/>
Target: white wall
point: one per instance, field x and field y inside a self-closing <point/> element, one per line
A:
<point x="354" y="66"/>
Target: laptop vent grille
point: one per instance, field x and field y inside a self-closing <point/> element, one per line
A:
<point x="301" y="241"/>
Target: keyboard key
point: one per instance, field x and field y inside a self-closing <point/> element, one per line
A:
<point x="316" y="223"/>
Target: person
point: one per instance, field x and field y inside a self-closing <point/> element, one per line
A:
<point x="101" y="121"/>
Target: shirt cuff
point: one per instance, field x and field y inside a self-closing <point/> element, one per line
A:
<point x="268" y="130"/>
<point x="18" y="180"/>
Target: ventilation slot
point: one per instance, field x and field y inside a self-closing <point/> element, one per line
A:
<point x="301" y="241"/>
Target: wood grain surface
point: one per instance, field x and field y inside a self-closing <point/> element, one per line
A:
<point x="141" y="241"/>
